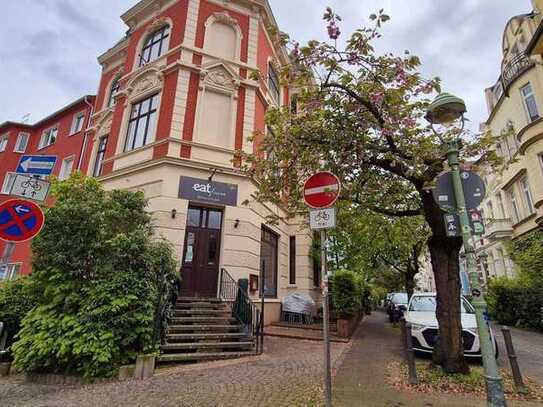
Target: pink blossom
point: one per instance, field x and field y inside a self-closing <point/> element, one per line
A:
<point x="333" y="30"/>
<point x="377" y="98"/>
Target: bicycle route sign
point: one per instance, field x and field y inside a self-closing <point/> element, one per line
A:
<point x="321" y="190"/>
<point x="20" y="220"/>
<point x="30" y="187"/>
<point x="320" y="219"/>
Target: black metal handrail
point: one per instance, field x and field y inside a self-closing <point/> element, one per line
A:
<point x="242" y="307"/>
<point x="516" y="67"/>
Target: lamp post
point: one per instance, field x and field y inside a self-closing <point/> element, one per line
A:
<point x="445" y="110"/>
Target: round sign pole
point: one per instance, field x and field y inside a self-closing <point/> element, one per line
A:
<point x="321" y="191"/>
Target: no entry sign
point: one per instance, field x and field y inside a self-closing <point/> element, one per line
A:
<point x="321" y="190"/>
<point x="20" y="220"/>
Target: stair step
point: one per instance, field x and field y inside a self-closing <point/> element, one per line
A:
<point x="203" y="327"/>
<point x="187" y="357"/>
<point x="192" y="305"/>
<point x="224" y="335"/>
<point x="199" y="311"/>
<point x="203" y="319"/>
<point x="203" y="345"/>
<point x="197" y="299"/>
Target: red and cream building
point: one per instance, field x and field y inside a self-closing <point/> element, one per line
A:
<point x="174" y="103"/>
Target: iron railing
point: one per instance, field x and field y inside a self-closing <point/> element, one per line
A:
<point x="516" y="67"/>
<point x="243" y="309"/>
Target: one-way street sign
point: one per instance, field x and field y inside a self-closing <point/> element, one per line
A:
<point x="36" y="164"/>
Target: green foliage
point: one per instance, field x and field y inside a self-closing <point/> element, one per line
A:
<point x="527" y="252"/>
<point x="103" y="282"/>
<point x="350" y="295"/>
<point x="513" y="303"/>
<point x="17" y="298"/>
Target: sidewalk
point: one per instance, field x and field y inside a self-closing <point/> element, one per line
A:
<point x="361" y="378"/>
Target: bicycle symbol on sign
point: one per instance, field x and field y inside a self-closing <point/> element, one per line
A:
<point x="323" y="216"/>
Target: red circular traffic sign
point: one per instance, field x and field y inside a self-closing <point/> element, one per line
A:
<point x="20" y="220"/>
<point x="321" y="190"/>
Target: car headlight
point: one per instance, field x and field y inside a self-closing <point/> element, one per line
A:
<point x="417" y="327"/>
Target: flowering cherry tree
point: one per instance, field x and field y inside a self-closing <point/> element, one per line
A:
<point x="360" y="114"/>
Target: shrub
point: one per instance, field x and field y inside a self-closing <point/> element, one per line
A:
<point x="513" y="303"/>
<point x="17" y="298"/>
<point x="527" y="252"/>
<point x="350" y="295"/>
<point x="102" y="279"/>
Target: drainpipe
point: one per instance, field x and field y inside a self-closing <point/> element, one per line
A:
<point x="84" y="144"/>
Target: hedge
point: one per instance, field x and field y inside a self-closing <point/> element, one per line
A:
<point x="513" y="304"/>
<point x="350" y="295"/>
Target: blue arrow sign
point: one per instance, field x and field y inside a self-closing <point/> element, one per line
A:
<point x="37" y="164"/>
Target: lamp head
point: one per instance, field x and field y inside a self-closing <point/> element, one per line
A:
<point x="445" y="109"/>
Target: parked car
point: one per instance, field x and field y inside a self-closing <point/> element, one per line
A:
<point x="421" y="313"/>
<point x="396" y="306"/>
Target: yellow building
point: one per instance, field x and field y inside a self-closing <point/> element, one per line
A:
<point x="514" y="203"/>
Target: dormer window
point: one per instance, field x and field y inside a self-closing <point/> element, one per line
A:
<point x="113" y="90"/>
<point x="155" y="45"/>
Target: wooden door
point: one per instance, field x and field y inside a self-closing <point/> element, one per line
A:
<point x="200" y="268"/>
<point x="268" y="262"/>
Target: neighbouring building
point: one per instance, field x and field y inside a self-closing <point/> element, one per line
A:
<point x="174" y="103"/>
<point x="62" y="134"/>
<point x="513" y="205"/>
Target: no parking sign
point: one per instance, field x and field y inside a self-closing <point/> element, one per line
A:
<point x="20" y="220"/>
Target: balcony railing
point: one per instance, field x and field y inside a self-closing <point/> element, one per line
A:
<point x="499" y="229"/>
<point x="516" y="67"/>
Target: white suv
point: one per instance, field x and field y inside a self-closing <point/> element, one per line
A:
<point x="421" y="313"/>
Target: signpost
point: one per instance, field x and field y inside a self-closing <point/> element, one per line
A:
<point x="30" y="187"/>
<point x="41" y="165"/>
<point x="474" y="190"/>
<point x="321" y="191"/>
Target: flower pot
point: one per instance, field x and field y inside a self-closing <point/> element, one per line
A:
<point x="4" y="368"/>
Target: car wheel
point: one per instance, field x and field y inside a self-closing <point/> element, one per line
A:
<point x="390" y="318"/>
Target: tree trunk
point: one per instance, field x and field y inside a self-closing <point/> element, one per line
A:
<point x="444" y="253"/>
<point x="409" y="282"/>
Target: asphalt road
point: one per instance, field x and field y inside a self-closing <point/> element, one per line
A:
<point x="529" y="349"/>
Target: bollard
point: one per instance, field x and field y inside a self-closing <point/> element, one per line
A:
<point x="517" y="376"/>
<point x="413" y="379"/>
<point x="403" y="337"/>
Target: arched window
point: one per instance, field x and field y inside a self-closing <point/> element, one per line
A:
<point x="155" y="45"/>
<point x="113" y="90"/>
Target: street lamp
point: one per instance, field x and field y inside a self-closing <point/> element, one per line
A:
<point x="445" y="110"/>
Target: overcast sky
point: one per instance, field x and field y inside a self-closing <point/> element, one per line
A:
<point x="48" y="48"/>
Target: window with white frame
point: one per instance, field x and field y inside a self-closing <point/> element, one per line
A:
<point x="77" y="123"/>
<point x="66" y="168"/>
<point x="274" y="85"/>
<point x="100" y="154"/>
<point x="9" y="179"/>
<point x="501" y="206"/>
<point x="155" y="45"/>
<point x="490" y="208"/>
<point x="9" y="271"/>
<point x="515" y="213"/>
<point x="530" y="103"/>
<point x="527" y="192"/>
<point x="113" y="90"/>
<point x="22" y="143"/>
<point x="48" y="137"/>
<point x="3" y="142"/>
<point x="141" y="124"/>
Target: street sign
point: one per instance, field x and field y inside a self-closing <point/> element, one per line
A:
<point x="452" y="224"/>
<point x="474" y="190"/>
<point x="36" y="164"/>
<point x="477" y="222"/>
<point x="20" y="220"/>
<point x="320" y="219"/>
<point x="30" y="187"/>
<point x="321" y="190"/>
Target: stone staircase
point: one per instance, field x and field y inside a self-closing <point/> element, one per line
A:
<point x="203" y="329"/>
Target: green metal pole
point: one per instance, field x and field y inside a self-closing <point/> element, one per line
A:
<point x="494" y="387"/>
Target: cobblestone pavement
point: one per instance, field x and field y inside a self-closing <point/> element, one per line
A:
<point x="361" y="378"/>
<point x="528" y="348"/>
<point x="288" y="373"/>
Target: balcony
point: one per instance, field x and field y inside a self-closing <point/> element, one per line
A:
<point x="499" y="229"/>
<point x="514" y="68"/>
